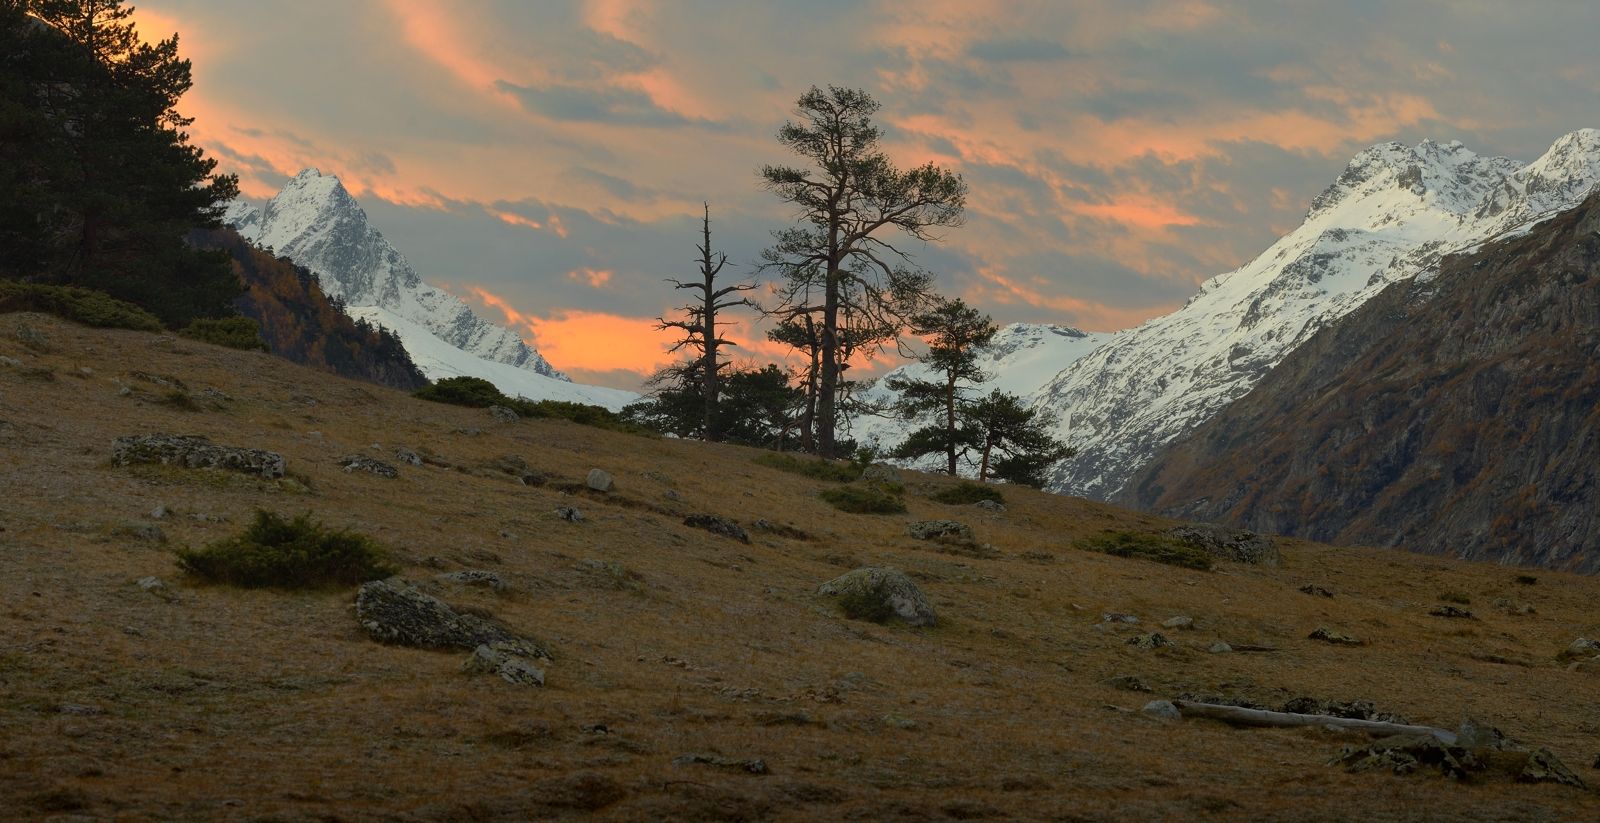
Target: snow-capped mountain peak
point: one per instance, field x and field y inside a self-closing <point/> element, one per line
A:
<point x="317" y="223"/>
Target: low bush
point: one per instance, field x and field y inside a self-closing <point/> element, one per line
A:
<point x="867" y="603"/>
<point x="86" y="306"/>
<point x="233" y="332"/>
<point x="863" y="500"/>
<point x="813" y="467"/>
<point x="274" y="552"/>
<point x="463" y="391"/>
<point x="966" y="493"/>
<point x="479" y="393"/>
<point x="1158" y="548"/>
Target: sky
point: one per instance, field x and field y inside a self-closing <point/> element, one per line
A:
<point x="547" y="160"/>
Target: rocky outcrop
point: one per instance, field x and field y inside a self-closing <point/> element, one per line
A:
<point x="881" y="594"/>
<point x="195" y="452"/>
<point x="396" y="612"/>
<point x="1232" y="545"/>
<point x="1455" y="416"/>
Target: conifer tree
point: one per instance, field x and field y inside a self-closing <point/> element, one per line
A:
<point x="699" y="324"/>
<point x="955" y="332"/>
<point x="1015" y="445"/>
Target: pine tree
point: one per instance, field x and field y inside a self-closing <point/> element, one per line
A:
<point x="836" y="265"/>
<point x="700" y="326"/>
<point x="955" y="332"/>
<point x="1015" y="445"/>
<point x="107" y="182"/>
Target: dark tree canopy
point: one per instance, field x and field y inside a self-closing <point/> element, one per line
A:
<point x="839" y="265"/>
<point x="1015" y="445"/>
<point x="955" y="332"/>
<point x="757" y="407"/>
<point x="102" y="182"/>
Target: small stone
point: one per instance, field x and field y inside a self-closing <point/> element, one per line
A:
<point x="11" y="361"/>
<point x="1327" y="635"/>
<point x="991" y="505"/>
<point x="362" y="463"/>
<point x="505" y="661"/>
<point x="1581" y="648"/>
<point x="569" y="514"/>
<point x="408" y="457"/>
<point x="157" y="587"/>
<point x="599" y="480"/>
<point x="1452" y="612"/>
<point x="1118" y="617"/>
<point x="1162" y="710"/>
<point x="1220" y="648"/>
<point x="1153" y="640"/>
<point x="672" y="494"/>
<point x="718" y="525"/>
<point x="504" y="414"/>
<point x="1178" y="623"/>
<point x="1315" y="591"/>
<point x="158" y="512"/>
<point x="474" y="577"/>
<point x="1127" y="683"/>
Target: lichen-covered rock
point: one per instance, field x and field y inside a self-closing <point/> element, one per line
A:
<point x="504" y="414"/>
<point x="880" y="473"/>
<point x="718" y="525"/>
<point x="1162" y="710"/>
<point x="362" y="463"/>
<point x="1153" y="640"/>
<point x="991" y="505"/>
<point x="599" y="480"/>
<point x="1234" y="545"/>
<point x="195" y="452"/>
<point x="1581" y="649"/>
<point x="1328" y="635"/>
<point x="394" y="611"/>
<point x="505" y="661"/>
<point x="948" y="530"/>
<point x="408" y="457"/>
<point x="569" y="514"/>
<point x="881" y="594"/>
<point x="475" y="577"/>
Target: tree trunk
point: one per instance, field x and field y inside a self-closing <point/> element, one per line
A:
<point x="828" y="388"/>
<point x="983" y="468"/>
<point x="950" y="422"/>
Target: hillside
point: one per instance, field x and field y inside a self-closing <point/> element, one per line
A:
<point x="681" y="657"/>
<point x="1454" y="416"/>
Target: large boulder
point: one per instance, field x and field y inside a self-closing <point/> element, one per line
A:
<point x="195" y="452"/>
<point x="1234" y="545"/>
<point x="881" y="594"/>
<point x="394" y="611"/>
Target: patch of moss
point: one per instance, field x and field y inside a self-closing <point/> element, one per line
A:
<point x="965" y="493"/>
<point x="233" y="332"/>
<point x="1155" y="547"/>
<point x="274" y="552"/>
<point x="813" y="467"/>
<point x="86" y="306"/>
<point x="863" y="500"/>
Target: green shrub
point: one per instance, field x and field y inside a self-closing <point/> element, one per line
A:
<point x="812" y="467"/>
<point x="233" y="332"/>
<point x="864" y="603"/>
<point x="863" y="500"/>
<point x="965" y="493"/>
<point x="86" y="306"/>
<point x="1159" y="548"/>
<point x="463" y="391"/>
<point x="479" y="393"/>
<point x="289" y="554"/>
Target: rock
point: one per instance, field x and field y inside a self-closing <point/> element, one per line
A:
<point x="779" y="529"/>
<point x="1544" y="767"/>
<point x="1327" y="635"/>
<point x="504" y="414"/>
<point x="991" y="505"/>
<point x="717" y="525"/>
<point x="362" y="463"/>
<point x="948" y="530"/>
<point x="194" y="452"/>
<point x="1316" y="591"/>
<point x="1127" y="683"/>
<point x="504" y="660"/>
<point x="1351" y="709"/>
<point x="750" y="766"/>
<point x="474" y="577"/>
<point x="569" y="514"/>
<point x="408" y="457"/>
<point x="1235" y="545"/>
<point x="881" y="593"/>
<point x="158" y="513"/>
<point x="1581" y="648"/>
<point x="1118" y="617"/>
<point x="10" y="361"/>
<point x="1178" y="623"/>
<point x="1162" y="710"/>
<point x="1451" y="611"/>
<point x="1220" y="648"/>
<point x="880" y="473"/>
<point x="156" y="586"/>
<point x="1153" y="640"/>
<point x="394" y="611"/>
<point x="1514" y="607"/>
<point x="599" y="480"/>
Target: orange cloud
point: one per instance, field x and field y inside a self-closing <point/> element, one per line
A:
<point x="434" y="31"/>
<point x="1089" y="315"/>
<point x="513" y="219"/>
<point x="597" y="278"/>
<point x="1145" y="214"/>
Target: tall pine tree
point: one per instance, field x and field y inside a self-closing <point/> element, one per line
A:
<point x="955" y="332"/>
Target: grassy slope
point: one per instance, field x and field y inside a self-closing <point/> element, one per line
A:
<point x="251" y="703"/>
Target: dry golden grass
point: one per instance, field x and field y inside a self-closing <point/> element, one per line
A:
<point x="227" y="703"/>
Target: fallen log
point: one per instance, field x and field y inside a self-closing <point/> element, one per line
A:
<point x="1262" y="717"/>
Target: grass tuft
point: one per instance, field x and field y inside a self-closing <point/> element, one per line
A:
<point x="274" y="552"/>
<point x="813" y="467"/>
<point x="863" y="500"/>
<point x="966" y="493"/>
<point x="1158" y="548"/>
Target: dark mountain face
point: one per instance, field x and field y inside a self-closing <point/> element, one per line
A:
<point x="1458" y="416"/>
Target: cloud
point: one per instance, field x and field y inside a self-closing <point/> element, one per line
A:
<point x="619" y="107"/>
<point x="1017" y="50"/>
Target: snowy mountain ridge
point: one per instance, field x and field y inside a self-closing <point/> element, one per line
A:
<point x="1392" y="213"/>
<point x="315" y="222"/>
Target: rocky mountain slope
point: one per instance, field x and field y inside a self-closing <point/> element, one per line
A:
<point x="1455" y="416"/>
<point x="315" y="222"/>
<point x="1389" y="217"/>
<point x="693" y="676"/>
